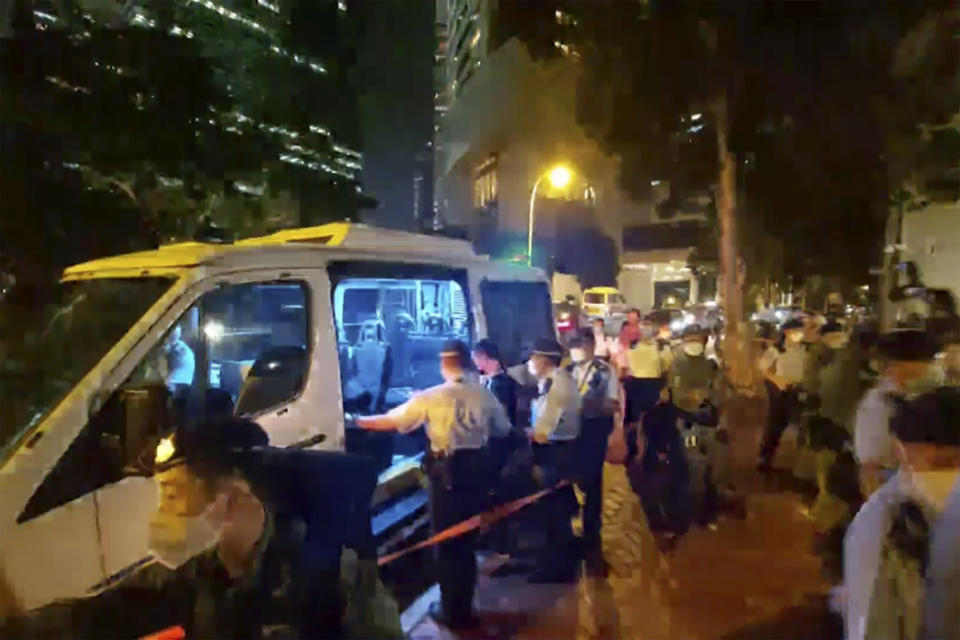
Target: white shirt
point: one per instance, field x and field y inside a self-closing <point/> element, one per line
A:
<point x="865" y="536"/>
<point x="872" y="441"/>
<point x="603" y="348"/>
<point x="457" y="415"/>
<point x="556" y="412"/>
<point x="788" y="364"/>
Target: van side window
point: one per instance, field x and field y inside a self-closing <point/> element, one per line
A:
<point x="390" y="332"/>
<point x="517" y="313"/>
<point x="241" y="348"/>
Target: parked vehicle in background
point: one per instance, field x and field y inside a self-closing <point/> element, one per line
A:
<point x="567" y="316"/>
<point x="606" y="303"/>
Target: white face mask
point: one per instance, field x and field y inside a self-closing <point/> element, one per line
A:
<point x="693" y="349"/>
<point x="532" y="368"/>
<point x="578" y="355"/>
<point x="174" y="539"/>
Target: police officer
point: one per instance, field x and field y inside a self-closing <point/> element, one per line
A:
<point x="833" y="391"/>
<point x="783" y="366"/>
<point x="460" y="416"/>
<point x="226" y="562"/>
<point x="555" y="419"/>
<point x="909" y="354"/>
<point x="599" y="388"/>
<point x="694" y="390"/>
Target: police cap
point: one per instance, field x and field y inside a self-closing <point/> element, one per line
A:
<point x="831" y="327"/>
<point x="793" y="324"/>
<point x="457" y="349"/>
<point x="932" y="418"/>
<point x="910" y="345"/>
<point x="208" y="447"/>
<point x="547" y="347"/>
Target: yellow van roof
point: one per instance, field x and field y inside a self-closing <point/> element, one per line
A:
<point x="343" y="235"/>
<point x="602" y="290"/>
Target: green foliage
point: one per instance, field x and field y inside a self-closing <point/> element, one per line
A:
<point x="126" y="135"/>
<point x="802" y="81"/>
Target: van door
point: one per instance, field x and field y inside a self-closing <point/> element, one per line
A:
<point x="392" y="320"/>
<point x="255" y="343"/>
<point x="516" y="314"/>
<point x="263" y="349"/>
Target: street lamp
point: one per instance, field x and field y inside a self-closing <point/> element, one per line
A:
<point x="559" y="177"/>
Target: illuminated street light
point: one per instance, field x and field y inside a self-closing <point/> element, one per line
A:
<point x="559" y="177"/>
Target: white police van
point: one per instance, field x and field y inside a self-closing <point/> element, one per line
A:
<point x="286" y="328"/>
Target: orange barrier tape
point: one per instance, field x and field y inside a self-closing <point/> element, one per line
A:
<point x="480" y="520"/>
<point x="170" y="633"/>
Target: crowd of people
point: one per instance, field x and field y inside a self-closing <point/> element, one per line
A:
<point x="878" y="461"/>
<point x="879" y="436"/>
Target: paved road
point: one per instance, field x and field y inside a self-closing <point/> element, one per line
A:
<point x="754" y="578"/>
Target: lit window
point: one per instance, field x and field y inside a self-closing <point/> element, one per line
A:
<point x="485" y="183"/>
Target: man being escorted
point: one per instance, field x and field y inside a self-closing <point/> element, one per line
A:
<point x="908" y="353"/>
<point x="599" y="388"/>
<point x="460" y="416"/>
<point x="226" y="563"/>
<point x="555" y="417"/>
<point x="901" y="552"/>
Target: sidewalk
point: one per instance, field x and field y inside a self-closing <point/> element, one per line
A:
<point x="749" y="579"/>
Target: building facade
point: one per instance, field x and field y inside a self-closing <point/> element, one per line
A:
<point x="323" y="142"/>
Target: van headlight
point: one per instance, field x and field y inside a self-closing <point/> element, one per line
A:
<point x="676" y="325"/>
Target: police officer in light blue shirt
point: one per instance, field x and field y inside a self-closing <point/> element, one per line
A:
<point x="460" y="416"/>
<point x="599" y="388"/>
<point x="180" y="360"/>
<point x="555" y="419"/>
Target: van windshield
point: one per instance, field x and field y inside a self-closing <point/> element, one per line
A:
<point x="50" y="340"/>
<point x="593" y="298"/>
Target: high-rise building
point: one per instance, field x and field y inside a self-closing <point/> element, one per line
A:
<point x="477" y="28"/>
<point x="397" y="86"/>
<point x="324" y="141"/>
<point x="470" y="32"/>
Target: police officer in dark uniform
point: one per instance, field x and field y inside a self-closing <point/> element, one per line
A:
<point x="555" y="420"/>
<point x="460" y="416"/>
<point x="599" y="388"/>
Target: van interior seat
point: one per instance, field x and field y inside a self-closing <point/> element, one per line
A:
<point x="423" y="359"/>
<point x="276" y="376"/>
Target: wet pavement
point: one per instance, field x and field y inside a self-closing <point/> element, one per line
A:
<point x="751" y="578"/>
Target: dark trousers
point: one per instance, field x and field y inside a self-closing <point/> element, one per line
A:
<point x="592" y="452"/>
<point x="783" y="406"/>
<point x="641" y="395"/>
<point x="456" y="494"/>
<point x="555" y="462"/>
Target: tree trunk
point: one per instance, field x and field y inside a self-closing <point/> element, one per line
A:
<point x="731" y="285"/>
